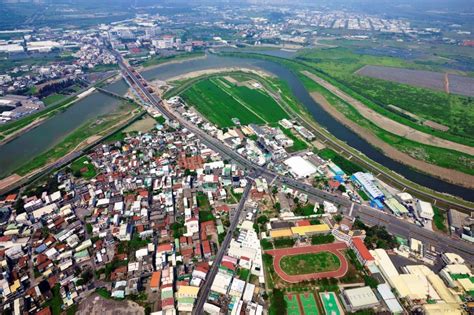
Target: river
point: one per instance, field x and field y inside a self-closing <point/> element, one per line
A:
<point x="45" y="136"/>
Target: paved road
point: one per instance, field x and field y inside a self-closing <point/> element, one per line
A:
<point x="206" y="287"/>
<point x="367" y="214"/>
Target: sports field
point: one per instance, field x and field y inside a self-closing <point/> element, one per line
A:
<point x="309" y="263"/>
<point x="220" y="101"/>
<point x="298" y="264"/>
<point x="292" y="305"/>
<point x="301" y="304"/>
<point x="308" y="302"/>
<point x="330" y="304"/>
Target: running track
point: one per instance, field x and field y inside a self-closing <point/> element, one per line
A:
<point x="335" y="248"/>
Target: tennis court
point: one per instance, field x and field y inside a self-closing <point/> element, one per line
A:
<point x="308" y="302"/>
<point x="330" y="303"/>
<point x="292" y="306"/>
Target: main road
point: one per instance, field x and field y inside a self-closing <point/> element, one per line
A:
<point x="206" y="287"/>
<point x="369" y="215"/>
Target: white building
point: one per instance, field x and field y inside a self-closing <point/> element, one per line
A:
<point x="424" y="210"/>
<point x="300" y="167"/>
<point x="359" y="298"/>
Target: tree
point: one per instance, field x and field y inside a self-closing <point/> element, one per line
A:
<point x="342" y="188"/>
<point x="277" y="206"/>
<point x="338" y="218"/>
<point x="274" y="190"/>
<point x="278" y="303"/>
<point x="262" y="219"/>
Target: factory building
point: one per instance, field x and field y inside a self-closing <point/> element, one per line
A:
<point x="366" y="181"/>
<point x="359" y="299"/>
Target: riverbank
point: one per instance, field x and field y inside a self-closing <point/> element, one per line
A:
<point x="200" y="73"/>
<point x="449" y="175"/>
<point x="168" y="61"/>
<point x="91" y="133"/>
<point x="308" y="120"/>
<point x="437" y="156"/>
<point x="388" y="124"/>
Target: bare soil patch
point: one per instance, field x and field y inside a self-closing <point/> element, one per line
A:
<point x="96" y="305"/>
<point x="439" y="81"/>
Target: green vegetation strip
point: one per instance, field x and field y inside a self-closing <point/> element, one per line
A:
<point x="347" y="166"/>
<point x="309" y="263"/>
<point x="439" y="219"/>
<point x="298" y="144"/>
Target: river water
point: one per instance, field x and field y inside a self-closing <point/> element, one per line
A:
<point x="13" y="154"/>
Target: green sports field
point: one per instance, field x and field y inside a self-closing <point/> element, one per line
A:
<point x="309" y="263"/>
<point x="292" y="307"/>
<point x="330" y="304"/>
<point x="309" y="303"/>
<point x="220" y="101"/>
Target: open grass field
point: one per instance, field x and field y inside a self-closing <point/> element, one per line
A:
<point x="220" y="102"/>
<point x="53" y="98"/>
<point x="297" y="264"/>
<point x="83" y="167"/>
<point x="309" y="263"/>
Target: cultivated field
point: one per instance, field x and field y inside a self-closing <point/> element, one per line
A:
<point x="219" y="101"/>
<point x="451" y="83"/>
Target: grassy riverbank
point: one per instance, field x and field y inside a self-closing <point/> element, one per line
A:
<point x="82" y="136"/>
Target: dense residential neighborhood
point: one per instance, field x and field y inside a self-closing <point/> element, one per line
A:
<point x="197" y="161"/>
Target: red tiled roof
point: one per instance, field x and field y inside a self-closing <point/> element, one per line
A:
<point x="164" y="248"/>
<point x="206" y="247"/>
<point x="303" y="223"/>
<point x="155" y="279"/>
<point x="224" y="208"/>
<point x="362" y="249"/>
<point x="228" y="265"/>
<point x="44" y="311"/>
<point x="10" y="198"/>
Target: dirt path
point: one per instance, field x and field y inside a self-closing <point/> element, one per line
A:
<point x="449" y="175"/>
<point x="390" y="125"/>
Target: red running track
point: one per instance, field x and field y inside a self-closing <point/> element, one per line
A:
<point x="335" y="248"/>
